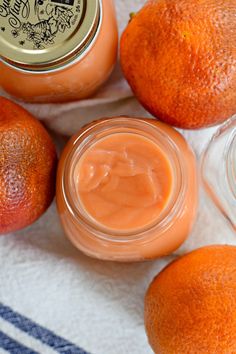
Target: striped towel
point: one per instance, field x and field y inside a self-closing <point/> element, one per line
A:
<point x="53" y="299"/>
<point x="27" y="332"/>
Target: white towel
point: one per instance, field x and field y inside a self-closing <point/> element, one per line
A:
<point x="55" y="299"/>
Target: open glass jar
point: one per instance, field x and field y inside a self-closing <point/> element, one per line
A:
<point x="58" y="50"/>
<point x="218" y="170"/>
<point x="171" y="225"/>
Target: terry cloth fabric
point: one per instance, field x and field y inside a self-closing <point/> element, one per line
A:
<point x="53" y="299"/>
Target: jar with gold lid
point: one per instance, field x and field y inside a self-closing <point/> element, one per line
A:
<point x="56" y="50"/>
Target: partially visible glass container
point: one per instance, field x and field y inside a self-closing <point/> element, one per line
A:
<point x="218" y="169"/>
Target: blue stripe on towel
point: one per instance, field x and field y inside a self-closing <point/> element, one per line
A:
<point x="38" y="332"/>
<point x="12" y="346"/>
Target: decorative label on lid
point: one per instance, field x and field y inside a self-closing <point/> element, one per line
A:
<point x="52" y="28"/>
<point x="40" y="24"/>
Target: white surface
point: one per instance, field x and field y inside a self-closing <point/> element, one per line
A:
<point x="97" y="305"/>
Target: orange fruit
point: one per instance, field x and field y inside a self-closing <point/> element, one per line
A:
<point x="179" y="57"/>
<point x="190" y="307"/>
<point x="27" y="167"/>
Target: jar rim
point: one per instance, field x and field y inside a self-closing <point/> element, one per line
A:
<point x="230" y="161"/>
<point x="174" y="205"/>
<point x="220" y="180"/>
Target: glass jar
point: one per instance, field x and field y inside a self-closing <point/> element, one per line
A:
<point x="58" y="50"/>
<point x="218" y="170"/>
<point x="171" y="226"/>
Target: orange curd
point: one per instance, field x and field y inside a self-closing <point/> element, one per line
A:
<point x="124" y="181"/>
<point x="57" y="51"/>
<point x="127" y="189"/>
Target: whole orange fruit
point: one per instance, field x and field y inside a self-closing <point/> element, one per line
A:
<point x="179" y="57"/>
<point x="27" y="167"/>
<point x="190" y="307"/>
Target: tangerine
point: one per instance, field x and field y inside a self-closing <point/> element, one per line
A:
<point x="179" y="57"/>
<point x="27" y="167"/>
<point x="190" y="307"/>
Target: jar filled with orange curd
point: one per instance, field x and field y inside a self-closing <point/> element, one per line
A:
<point x="127" y="189"/>
<point x="56" y="50"/>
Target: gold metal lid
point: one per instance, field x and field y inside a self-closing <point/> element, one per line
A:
<point x="45" y="35"/>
